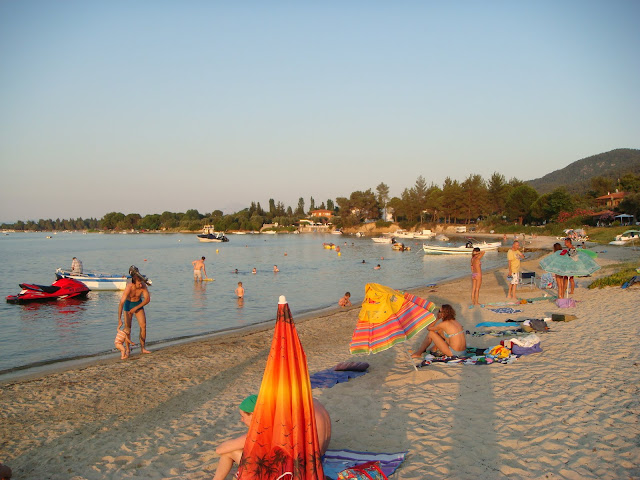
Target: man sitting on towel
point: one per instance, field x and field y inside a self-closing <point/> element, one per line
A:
<point x="231" y="451"/>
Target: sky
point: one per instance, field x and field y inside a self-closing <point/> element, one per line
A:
<point x="152" y="106"/>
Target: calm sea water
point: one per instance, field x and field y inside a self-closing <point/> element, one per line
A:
<point x="311" y="277"/>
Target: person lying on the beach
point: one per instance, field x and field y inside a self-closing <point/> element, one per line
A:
<point x="345" y="301"/>
<point x="123" y="339"/>
<point x="231" y="451"/>
<point x="446" y="334"/>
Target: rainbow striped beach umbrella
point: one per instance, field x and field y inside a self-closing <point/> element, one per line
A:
<point x="388" y="317"/>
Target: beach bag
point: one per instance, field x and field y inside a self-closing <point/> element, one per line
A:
<point x="566" y="303"/>
<point x="364" y="471"/>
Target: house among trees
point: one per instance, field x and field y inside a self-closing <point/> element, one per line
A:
<point x="611" y="200"/>
<point x="321" y="213"/>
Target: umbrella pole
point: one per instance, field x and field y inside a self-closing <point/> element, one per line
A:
<point x="411" y="359"/>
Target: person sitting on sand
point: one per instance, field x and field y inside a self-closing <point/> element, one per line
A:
<point x="446" y="334"/>
<point x="230" y="451"/>
<point x="240" y="290"/>
<point x="132" y="302"/>
<point x="346" y="300"/>
<point x="122" y="342"/>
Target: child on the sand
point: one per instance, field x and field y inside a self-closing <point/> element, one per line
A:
<point x="122" y="342"/>
<point x="240" y="290"/>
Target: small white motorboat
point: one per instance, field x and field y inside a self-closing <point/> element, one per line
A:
<point x="388" y="240"/>
<point x="100" y="281"/>
<point x="424" y="235"/>
<point x="462" y="249"/>
<point x="209" y="234"/>
<point x="626" y="237"/>
<point x="403" y="234"/>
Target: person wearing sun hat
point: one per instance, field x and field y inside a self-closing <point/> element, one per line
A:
<point x="230" y="451"/>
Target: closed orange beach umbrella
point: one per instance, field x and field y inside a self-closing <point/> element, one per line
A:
<point x="282" y="442"/>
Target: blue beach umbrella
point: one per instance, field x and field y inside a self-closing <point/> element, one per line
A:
<point x="569" y="263"/>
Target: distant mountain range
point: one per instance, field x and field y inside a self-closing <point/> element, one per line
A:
<point x="577" y="176"/>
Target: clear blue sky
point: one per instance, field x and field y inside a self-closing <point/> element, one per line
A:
<point x="146" y="106"/>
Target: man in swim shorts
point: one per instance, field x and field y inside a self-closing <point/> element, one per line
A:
<point x="231" y="451"/>
<point x="198" y="269"/>
<point x="132" y="302"/>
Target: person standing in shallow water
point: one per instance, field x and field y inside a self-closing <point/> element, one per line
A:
<point x="199" y="269"/>
<point x="133" y="300"/>
<point x="476" y="275"/>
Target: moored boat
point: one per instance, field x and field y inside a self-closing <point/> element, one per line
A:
<point x="209" y="234"/>
<point x="382" y="239"/>
<point x="626" y="237"/>
<point x="425" y="235"/>
<point x="98" y="281"/>
<point x="460" y="250"/>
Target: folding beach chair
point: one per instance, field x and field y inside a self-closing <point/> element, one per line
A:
<point x="528" y="279"/>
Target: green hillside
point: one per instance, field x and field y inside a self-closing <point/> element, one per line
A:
<point x="576" y="177"/>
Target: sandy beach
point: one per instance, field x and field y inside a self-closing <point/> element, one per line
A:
<point x="570" y="412"/>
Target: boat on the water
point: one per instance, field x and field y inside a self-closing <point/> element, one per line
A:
<point x="462" y="249"/>
<point x="209" y="234"/>
<point x="96" y="281"/>
<point x="382" y="239"/>
<point x="425" y="235"/>
<point x="99" y="281"/>
<point x="403" y="234"/>
<point x="441" y="237"/>
<point x="626" y="237"/>
<point x="60" y="289"/>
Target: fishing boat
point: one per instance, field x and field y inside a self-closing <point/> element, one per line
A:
<point x="209" y="234"/>
<point x="462" y="249"/>
<point x="626" y="237"/>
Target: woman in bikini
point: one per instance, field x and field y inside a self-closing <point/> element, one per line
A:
<point x="446" y="334"/>
<point x="476" y="275"/>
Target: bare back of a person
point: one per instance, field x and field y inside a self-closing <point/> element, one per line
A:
<point x="454" y="334"/>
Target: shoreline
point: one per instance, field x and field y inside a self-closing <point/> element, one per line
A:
<point x="44" y="367"/>
<point x="160" y="416"/>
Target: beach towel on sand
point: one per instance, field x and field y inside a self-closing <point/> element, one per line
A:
<point x="505" y="310"/>
<point x="329" y="377"/>
<point x="334" y="461"/>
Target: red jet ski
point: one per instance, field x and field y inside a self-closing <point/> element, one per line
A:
<point x="60" y="289"/>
